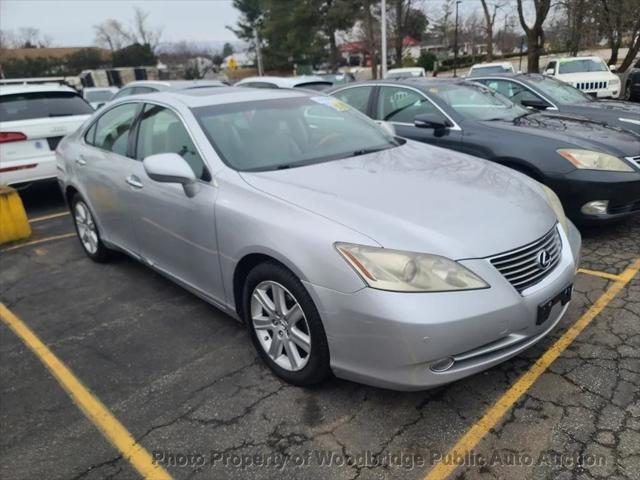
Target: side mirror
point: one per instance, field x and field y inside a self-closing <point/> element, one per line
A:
<point x="171" y="168"/>
<point x="613" y="68"/>
<point x="387" y="127"/>
<point x="535" y="103"/>
<point x="431" y="120"/>
<point x="550" y="71"/>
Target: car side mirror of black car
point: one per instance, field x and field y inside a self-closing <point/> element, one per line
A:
<point x="535" y="103"/>
<point x="431" y="120"/>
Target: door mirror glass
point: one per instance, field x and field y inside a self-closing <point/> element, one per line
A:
<point x="168" y="168"/>
<point x="387" y="127"/>
<point x="550" y="71"/>
<point x="613" y="68"/>
<point x="431" y="120"/>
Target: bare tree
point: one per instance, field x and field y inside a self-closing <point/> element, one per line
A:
<point x="370" y="36"/>
<point x="534" y="32"/>
<point x="7" y="39"/>
<point x="142" y="32"/>
<point x="489" y="22"/>
<point x="111" y="34"/>
<point x="634" y="46"/>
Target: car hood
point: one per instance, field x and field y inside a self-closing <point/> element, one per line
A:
<point x="419" y="198"/>
<point x="575" y="131"/>
<point x="586" y="76"/>
<point x="612" y="105"/>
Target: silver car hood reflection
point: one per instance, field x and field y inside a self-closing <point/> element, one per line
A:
<point x="419" y="198"/>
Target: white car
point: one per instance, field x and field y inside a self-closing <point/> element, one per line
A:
<point x="98" y="96"/>
<point x="402" y="73"/>
<point x="490" y="68"/>
<point x="33" y="120"/>
<point x="589" y="74"/>
<point x="309" y="82"/>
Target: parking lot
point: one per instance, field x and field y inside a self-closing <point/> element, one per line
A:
<point x="186" y="383"/>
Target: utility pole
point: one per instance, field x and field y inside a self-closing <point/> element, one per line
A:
<point x="383" y="24"/>
<point x="455" y="43"/>
<point x="256" y="39"/>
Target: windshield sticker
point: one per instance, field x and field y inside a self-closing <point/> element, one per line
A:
<point x="331" y="102"/>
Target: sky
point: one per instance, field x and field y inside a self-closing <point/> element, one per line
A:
<point x="70" y="23"/>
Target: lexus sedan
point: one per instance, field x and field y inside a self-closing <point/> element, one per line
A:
<point x="342" y="248"/>
<point x="548" y="94"/>
<point x="595" y="169"/>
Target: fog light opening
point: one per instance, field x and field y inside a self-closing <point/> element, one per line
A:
<point x="596" y="207"/>
<point x="442" y="365"/>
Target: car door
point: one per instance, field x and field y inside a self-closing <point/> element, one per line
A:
<point x="399" y="106"/>
<point x="101" y="167"/>
<point x="175" y="232"/>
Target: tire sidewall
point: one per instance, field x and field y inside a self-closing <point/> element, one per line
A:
<point x="317" y="367"/>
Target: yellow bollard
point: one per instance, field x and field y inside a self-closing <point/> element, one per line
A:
<point x="14" y="224"/>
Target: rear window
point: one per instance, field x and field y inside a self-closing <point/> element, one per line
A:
<point x="317" y="86"/>
<point x="25" y="106"/>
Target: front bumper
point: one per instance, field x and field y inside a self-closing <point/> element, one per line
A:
<point x="575" y="189"/>
<point x="390" y="339"/>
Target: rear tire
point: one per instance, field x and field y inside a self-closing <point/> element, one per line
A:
<point x="285" y="326"/>
<point x="87" y="231"/>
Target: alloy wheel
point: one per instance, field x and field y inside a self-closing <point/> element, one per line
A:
<point x="86" y="228"/>
<point x="280" y="325"/>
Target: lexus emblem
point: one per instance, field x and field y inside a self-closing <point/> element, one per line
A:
<point x="544" y="259"/>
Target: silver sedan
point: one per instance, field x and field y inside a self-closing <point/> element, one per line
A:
<point x="343" y="249"/>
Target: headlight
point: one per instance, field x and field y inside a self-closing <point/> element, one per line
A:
<point x="614" y="81"/>
<point x="590" y="160"/>
<point x="556" y="206"/>
<point x="399" y="271"/>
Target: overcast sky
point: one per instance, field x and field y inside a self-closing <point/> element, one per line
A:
<point x="70" y="23"/>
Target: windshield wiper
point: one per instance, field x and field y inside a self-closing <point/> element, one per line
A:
<point x="365" y="151"/>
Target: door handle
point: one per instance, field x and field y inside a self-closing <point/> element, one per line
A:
<point x="134" y="181"/>
<point x="81" y="160"/>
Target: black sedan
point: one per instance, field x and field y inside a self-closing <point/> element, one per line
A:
<point x="594" y="169"/>
<point x="546" y="93"/>
<point x="632" y="83"/>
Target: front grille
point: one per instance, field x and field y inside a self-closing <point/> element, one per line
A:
<point x="635" y="160"/>
<point x="592" y="85"/>
<point x="525" y="266"/>
<point x="626" y="208"/>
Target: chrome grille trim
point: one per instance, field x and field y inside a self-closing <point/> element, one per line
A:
<point x="520" y="266"/>
<point x="634" y="160"/>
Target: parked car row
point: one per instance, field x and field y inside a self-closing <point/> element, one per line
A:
<point x="403" y="233"/>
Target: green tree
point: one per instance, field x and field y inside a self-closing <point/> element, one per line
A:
<point x="85" y="59"/>
<point x="227" y="49"/>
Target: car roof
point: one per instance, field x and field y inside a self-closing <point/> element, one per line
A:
<point x="285" y="82"/>
<point x="44" y="87"/>
<point x="406" y="69"/>
<point x="494" y="64"/>
<point x="202" y="97"/>
<point x="175" y="84"/>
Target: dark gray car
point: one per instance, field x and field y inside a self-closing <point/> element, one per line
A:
<point x="594" y="169"/>
<point x="546" y="93"/>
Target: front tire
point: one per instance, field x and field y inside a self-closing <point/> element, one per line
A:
<point x="87" y="231"/>
<point x="285" y="326"/>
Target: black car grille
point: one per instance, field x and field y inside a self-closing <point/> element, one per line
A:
<point x="592" y="85"/>
<point x="626" y="208"/>
<point x="525" y="266"/>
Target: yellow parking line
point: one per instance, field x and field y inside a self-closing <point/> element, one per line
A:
<point x="92" y="407"/>
<point x="48" y="217"/>
<point x="39" y="241"/>
<point x="493" y="415"/>
<point x="596" y="273"/>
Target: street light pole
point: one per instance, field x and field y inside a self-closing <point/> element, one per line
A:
<point x="383" y="24"/>
<point x="455" y="43"/>
<point x="256" y="39"/>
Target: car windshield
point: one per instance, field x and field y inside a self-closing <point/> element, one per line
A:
<point x="477" y="102"/>
<point x="289" y="132"/>
<point x="490" y="70"/>
<point x="28" y="105"/>
<point x="559" y="91"/>
<point x="584" y="65"/>
<point x="98" y="95"/>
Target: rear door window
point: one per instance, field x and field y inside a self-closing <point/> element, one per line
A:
<point x="397" y="104"/>
<point x="112" y="129"/>
<point x="357" y="97"/>
<point x="30" y="105"/>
